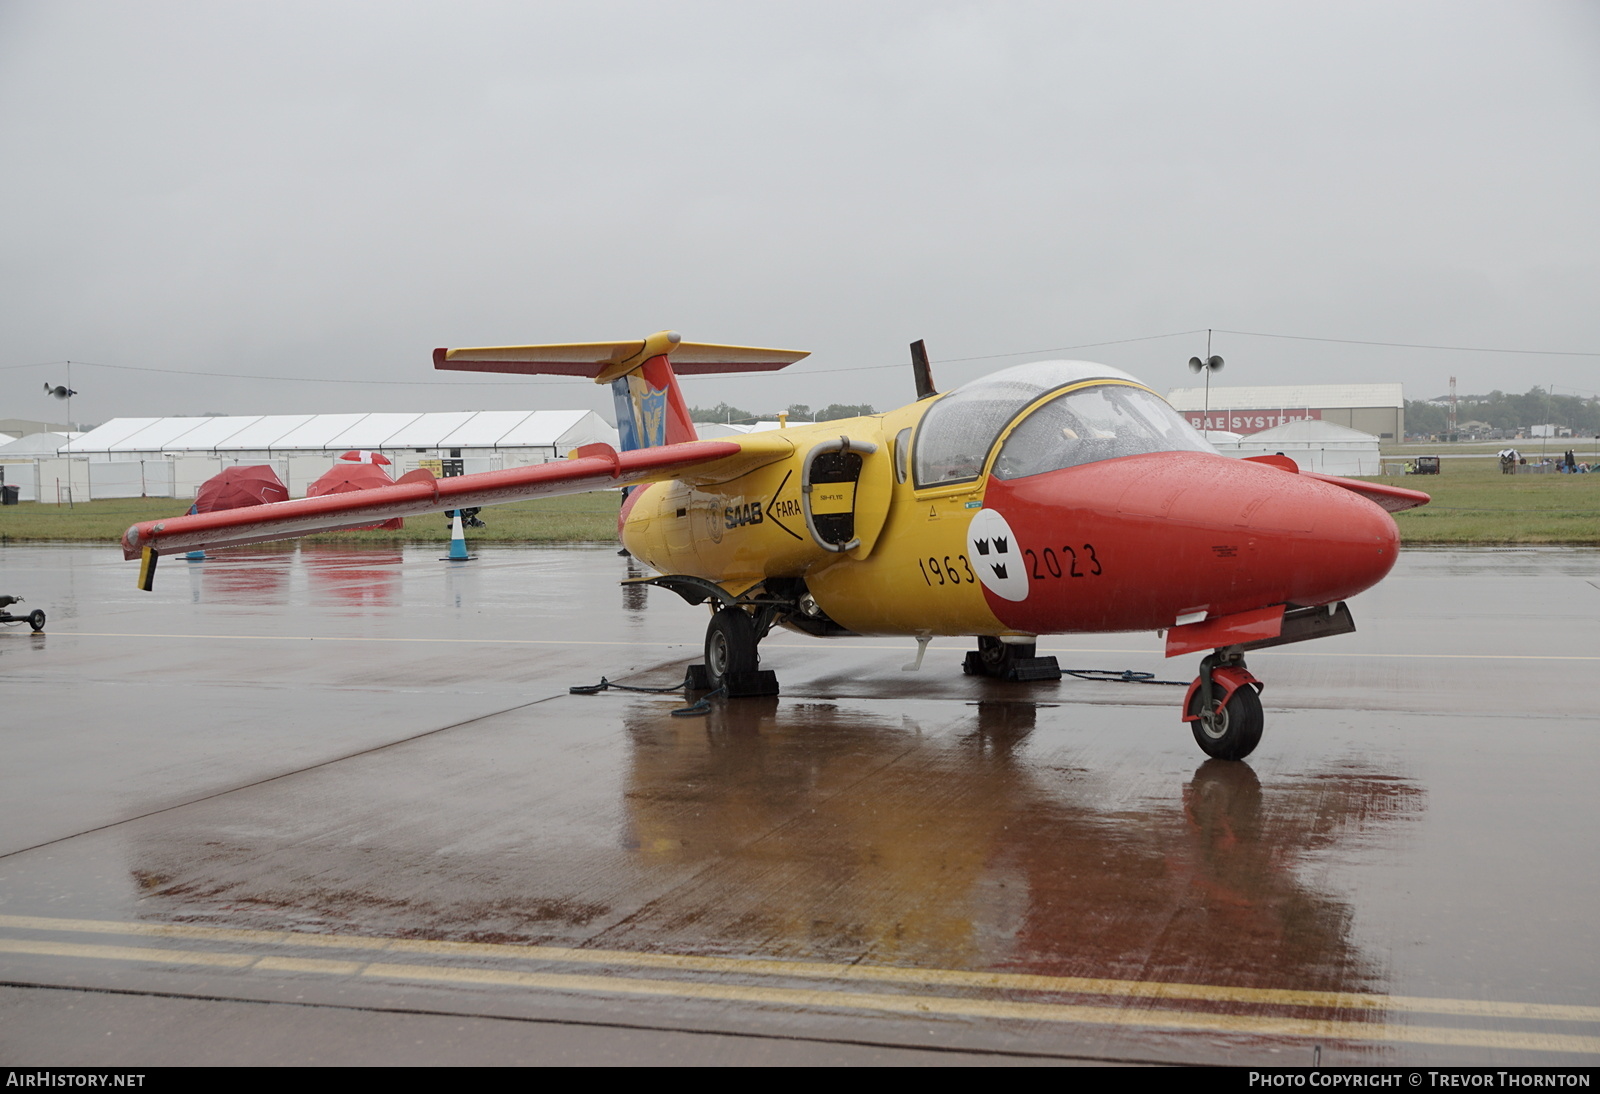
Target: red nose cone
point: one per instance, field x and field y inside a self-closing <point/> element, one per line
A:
<point x="1352" y="547"/>
<point x="1145" y="539"/>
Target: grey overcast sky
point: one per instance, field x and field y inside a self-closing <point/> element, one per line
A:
<point x="328" y="190"/>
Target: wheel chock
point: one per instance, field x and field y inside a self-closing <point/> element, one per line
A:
<point x="748" y="685"/>
<point x="1020" y="671"/>
<point x="740" y="685"/>
<point x="1024" y="669"/>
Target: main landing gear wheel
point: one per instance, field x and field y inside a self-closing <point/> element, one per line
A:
<point x="730" y="645"/>
<point x="1232" y="732"/>
<point x="1005" y="661"/>
<point x="998" y="656"/>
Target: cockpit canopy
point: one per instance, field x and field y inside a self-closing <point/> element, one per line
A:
<point x="1095" y="421"/>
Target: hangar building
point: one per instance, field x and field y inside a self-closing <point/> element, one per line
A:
<point x="1378" y="409"/>
<point x="171" y="457"/>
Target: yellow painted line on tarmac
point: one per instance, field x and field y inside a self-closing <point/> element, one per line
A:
<point x="127" y="953"/>
<point x="928" y="1005"/>
<point x="817" y="970"/>
<point x="918" y="1005"/>
<point x="845" y="644"/>
<point x="197" y="933"/>
<point x="308" y="964"/>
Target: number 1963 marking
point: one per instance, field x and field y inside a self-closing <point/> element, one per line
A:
<point x="1051" y="563"/>
<point x="948" y="574"/>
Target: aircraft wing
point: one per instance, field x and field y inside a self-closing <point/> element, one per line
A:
<point x="1394" y="499"/>
<point x="592" y="467"/>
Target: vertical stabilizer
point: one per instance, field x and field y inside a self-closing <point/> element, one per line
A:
<point x="650" y="406"/>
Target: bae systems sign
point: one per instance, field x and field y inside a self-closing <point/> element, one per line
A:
<point x="1249" y="421"/>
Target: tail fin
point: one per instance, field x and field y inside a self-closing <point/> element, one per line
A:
<point x="649" y="402"/>
<point x="650" y="406"/>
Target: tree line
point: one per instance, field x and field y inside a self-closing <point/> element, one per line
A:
<point x="1506" y="411"/>
<point x="798" y="412"/>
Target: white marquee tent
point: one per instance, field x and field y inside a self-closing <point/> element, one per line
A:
<point x="19" y="461"/>
<point x="171" y="457"/>
<point x="1314" y="445"/>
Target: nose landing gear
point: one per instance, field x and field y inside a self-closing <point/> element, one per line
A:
<point x="1223" y="706"/>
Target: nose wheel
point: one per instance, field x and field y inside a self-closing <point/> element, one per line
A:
<point x="1223" y="707"/>
<point x="1231" y="730"/>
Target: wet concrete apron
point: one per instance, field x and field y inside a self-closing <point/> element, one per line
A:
<point x="354" y="781"/>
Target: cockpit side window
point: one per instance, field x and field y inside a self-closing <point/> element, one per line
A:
<point x="902" y="454"/>
<point x="1090" y="424"/>
<point x="954" y="438"/>
<point x="957" y="432"/>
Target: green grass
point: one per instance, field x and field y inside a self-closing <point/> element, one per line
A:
<point x="577" y="518"/>
<point x="1474" y="503"/>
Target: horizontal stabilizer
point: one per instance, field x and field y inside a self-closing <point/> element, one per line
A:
<point x="415" y="496"/>
<point x="602" y="360"/>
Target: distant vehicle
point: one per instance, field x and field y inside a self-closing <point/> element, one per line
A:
<point x="1049" y="498"/>
<point x="1425" y="465"/>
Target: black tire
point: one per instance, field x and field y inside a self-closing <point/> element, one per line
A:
<point x="36" y="620"/>
<point x="996" y="657"/>
<point x="1235" y="731"/>
<point x="730" y="645"/>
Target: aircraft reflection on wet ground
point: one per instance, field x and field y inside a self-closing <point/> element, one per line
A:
<point x="357" y="579"/>
<point x="927" y="860"/>
<point x="762" y="806"/>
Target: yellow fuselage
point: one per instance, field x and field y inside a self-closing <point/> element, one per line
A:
<point x="909" y="575"/>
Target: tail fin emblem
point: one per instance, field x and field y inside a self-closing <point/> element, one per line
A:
<point x="653" y="409"/>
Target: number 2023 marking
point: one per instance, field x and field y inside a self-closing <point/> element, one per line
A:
<point x="946" y="574"/>
<point x="1051" y="563"/>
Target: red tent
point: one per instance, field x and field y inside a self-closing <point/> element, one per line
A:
<point x="238" y="487"/>
<point x="342" y="478"/>
<point x="365" y="455"/>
